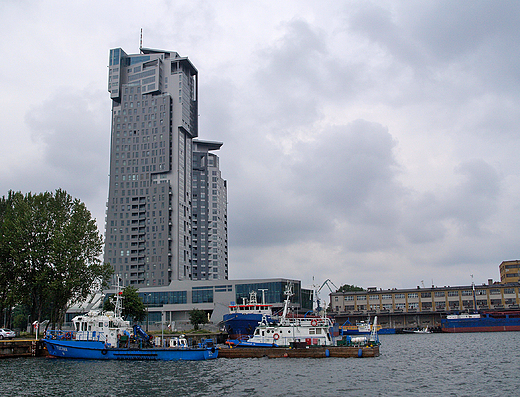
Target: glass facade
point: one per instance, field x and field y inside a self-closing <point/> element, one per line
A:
<point x="156" y="299"/>
<point x="274" y="292"/>
<point x="202" y="295"/>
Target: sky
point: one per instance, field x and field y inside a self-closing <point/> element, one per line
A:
<point x="372" y="143"/>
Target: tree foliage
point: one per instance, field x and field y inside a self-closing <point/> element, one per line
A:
<point x="49" y="253"/>
<point x="133" y="305"/>
<point x="349" y="288"/>
<point x="197" y="317"/>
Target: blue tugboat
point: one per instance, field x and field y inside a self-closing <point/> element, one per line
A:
<point x="107" y="336"/>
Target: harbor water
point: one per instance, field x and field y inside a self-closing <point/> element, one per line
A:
<point x="479" y="364"/>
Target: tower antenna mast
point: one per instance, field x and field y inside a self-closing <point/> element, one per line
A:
<point x="141" y="40"/>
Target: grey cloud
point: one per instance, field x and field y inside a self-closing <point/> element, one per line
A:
<point x="74" y="140"/>
<point x="289" y="77"/>
<point x="351" y="170"/>
<point x="345" y="177"/>
<point x="465" y="208"/>
<point x="474" y="200"/>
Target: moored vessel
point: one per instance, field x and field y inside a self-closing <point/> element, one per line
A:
<point x="299" y="332"/>
<point x="106" y="335"/>
<point x="242" y="320"/>
<point x="363" y="328"/>
<point x="487" y="321"/>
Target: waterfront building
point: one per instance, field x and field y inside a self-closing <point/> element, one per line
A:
<point x="405" y="308"/>
<point x="173" y="303"/>
<point x="510" y="271"/>
<point x="148" y="225"/>
<point x="209" y="214"/>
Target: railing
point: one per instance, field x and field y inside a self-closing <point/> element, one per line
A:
<point x="75" y="335"/>
<point x="59" y="334"/>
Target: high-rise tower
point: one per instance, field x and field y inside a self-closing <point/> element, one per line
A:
<point x="154" y="119"/>
<point x="209" y="214"/>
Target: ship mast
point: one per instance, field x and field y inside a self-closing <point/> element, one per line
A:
<point x="288" y="292"/>
<point x="118" y="307"/>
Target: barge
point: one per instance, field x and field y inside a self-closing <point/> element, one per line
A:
<point x="311" y="352"/>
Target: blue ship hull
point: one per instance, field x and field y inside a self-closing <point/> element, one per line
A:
<point x="489" y="322"/>
<point x="239" y="324"/>
<point x="95" y="350"/>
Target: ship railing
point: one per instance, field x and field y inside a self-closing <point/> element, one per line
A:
<point x="58" y="334"/>
<point x="91" y="336"/>
<point x="313" y="322"/>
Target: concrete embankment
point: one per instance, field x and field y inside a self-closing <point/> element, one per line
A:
<point x="21" y="348"/>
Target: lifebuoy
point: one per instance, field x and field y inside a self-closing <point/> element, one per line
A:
<point x="103" y="352"/>
<point x="314" y="323"/>
<point x="276" y="336"/>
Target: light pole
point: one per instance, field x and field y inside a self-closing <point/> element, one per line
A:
<point x="147" y="311"/>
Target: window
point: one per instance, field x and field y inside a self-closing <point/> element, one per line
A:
<point x="202" y="295"/>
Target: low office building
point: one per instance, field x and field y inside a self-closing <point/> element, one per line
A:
<point x="173" y="303"/>
<point x="419" y="307"/>
<point x="510" y="271"/>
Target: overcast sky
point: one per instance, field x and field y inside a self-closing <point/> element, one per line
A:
<point x="373" y="143"/>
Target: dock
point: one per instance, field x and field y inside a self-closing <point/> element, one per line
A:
<point x="21" y="348"/>
<point x="310" y="352"/>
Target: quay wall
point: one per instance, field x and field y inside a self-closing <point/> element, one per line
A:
<point x="21" y="348"/>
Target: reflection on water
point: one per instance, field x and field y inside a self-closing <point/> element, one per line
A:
<point x="480" y="364"/>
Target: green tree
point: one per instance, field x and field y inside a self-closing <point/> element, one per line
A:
<point x="8" y="271"/>
<point x="197" y="317"/>
<point x="349" y="288"/>
<point x="133" y="306"/>
<point x="75" y="261"/>
<point x="51" y="244"/>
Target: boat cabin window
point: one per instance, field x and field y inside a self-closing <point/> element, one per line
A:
<point x="100" y="324"/>
<point x="90" y="327"/>
<point x="257" y="332"/>
<point x="77" y="326"/>
<point x="83" y="326"/>
<point x="111" y="324"/>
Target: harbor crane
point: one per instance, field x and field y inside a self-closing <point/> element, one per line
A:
<point x="327" y="283"/>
